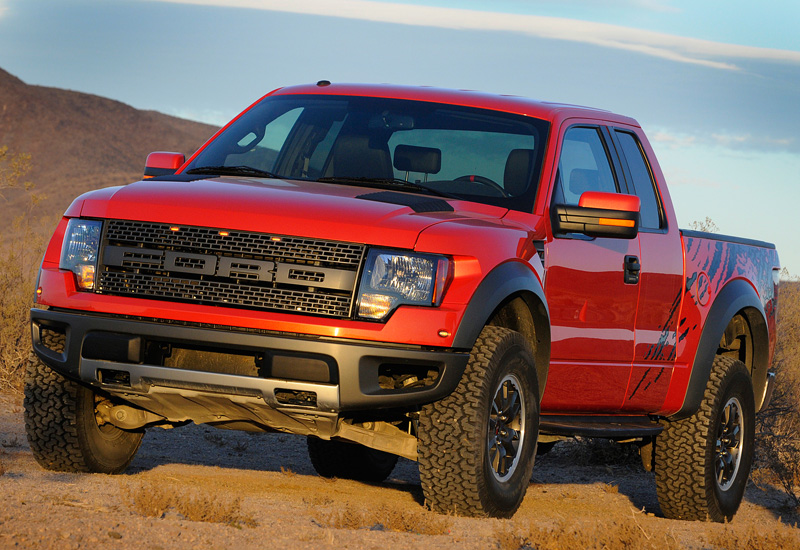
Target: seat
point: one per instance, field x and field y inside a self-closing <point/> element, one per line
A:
<point x="355" y="156"/>
<point x="517" y="175"/>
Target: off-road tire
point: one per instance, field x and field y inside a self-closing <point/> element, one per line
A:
<point x="62" y="429"/>
<point x="349" y="460"/>
<point x="459" y="445"/>
<point x="691" y="482"/>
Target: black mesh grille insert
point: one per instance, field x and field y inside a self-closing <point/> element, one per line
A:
<point x="229" y="268"/>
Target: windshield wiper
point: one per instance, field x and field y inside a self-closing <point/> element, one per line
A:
<point x="412" y="185"/>
<point x="232" y="171"/>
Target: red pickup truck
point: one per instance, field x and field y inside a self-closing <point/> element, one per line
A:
<point x="446" y="276"/>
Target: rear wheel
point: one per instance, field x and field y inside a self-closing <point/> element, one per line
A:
<point x="349" y="460"/>
<point x="62" y="426"/>
<point x="477" y="446"/>
<point x="702" y="462"/>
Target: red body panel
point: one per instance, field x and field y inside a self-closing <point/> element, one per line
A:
<point x="710" y="266"/>
<point x="617" y="348"/>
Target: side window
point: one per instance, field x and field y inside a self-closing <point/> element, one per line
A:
<point x="642" y="181"/>
<point x="583" y="166"/>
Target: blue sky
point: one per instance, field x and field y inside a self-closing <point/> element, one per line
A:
<point x="715" y="84"/>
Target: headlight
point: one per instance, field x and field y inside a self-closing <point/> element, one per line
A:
<point x="392" y="279"/>
<point x="79" y="251"/>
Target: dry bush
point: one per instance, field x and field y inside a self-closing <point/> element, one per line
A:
<point x="614" y="535"/>
<point x="778" y="429"/>
<point x="386" y="519"/>
<point x="158" y="499"/>
<point x="778" y="537"/>
<point x="20" y="253"/>
<point x="706" y="225"/>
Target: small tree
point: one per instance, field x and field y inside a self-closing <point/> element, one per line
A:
<point x="778" y="430"/>
<point x="20" y="252"/>
<point x="707" y="225"/>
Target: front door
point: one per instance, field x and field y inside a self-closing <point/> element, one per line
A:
<point x="592" y="306"/>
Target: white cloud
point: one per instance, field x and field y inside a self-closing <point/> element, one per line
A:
<point x="672" y="140"/>
<point x="678" y="178"/>
<point x="676" y="48"/>
<point x="669" y="139"/>
<point x="731" y="140"/>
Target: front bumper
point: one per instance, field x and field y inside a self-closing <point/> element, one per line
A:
<point x="288" y="371"/>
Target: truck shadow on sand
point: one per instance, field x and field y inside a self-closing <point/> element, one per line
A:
<point x="611" y="468"/>
<point x="199" y="445"/>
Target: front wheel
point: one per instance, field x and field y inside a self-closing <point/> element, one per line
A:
<point x="702" y="462"/>
<point x="477" y="446"/>
<point x="62" y="426"/>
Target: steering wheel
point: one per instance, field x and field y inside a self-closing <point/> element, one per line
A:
<point x="484" y="181"/>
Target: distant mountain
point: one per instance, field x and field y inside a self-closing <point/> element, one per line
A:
<point x="80" y="142"/>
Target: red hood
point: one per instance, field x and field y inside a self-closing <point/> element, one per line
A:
<point x="306" y="209"/>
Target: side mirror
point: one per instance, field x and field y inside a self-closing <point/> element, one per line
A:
<point x="162" y="164"/>
<point x="599" y="215"/>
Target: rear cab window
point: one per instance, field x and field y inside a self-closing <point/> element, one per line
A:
<point x="641" y="180"/>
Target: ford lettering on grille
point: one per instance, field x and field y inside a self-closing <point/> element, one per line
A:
<point x="243" y="269"/>
<point x="225" y="266"/>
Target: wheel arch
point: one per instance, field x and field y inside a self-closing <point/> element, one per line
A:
<point x="510" y="296"/>
<point x="735" y="326"/>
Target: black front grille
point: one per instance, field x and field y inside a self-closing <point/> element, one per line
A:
<point x="229" y="268"/>
<point x="230" y="242"/>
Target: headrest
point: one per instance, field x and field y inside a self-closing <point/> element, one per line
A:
<point x="581" y="180"/>
<point x="518" y="171"/>
<point x="410" y="158"/>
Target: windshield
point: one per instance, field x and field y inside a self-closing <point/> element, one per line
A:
<point x="473" y="154"/>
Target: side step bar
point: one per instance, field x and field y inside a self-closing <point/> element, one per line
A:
<point x="612" y="427"/>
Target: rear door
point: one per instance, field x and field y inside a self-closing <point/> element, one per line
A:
<point x="661" y="288"/>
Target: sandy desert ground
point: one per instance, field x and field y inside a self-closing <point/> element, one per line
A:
<point x="265" y="489"/>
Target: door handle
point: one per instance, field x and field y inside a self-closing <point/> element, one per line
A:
<point x="632" y="269"/>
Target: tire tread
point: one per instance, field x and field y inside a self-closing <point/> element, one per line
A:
<point x="682" y="455"/>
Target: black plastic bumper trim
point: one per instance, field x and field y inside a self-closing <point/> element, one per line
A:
<point x="357" y="363"/>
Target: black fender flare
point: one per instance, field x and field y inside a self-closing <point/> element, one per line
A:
<point x="501" y="285"/>
<point x="736" y="297"/>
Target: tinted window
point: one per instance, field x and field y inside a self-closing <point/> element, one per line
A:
<point x="583" y="166"/>
<point x="642" y="181"/>
<point x="475" y="154"/>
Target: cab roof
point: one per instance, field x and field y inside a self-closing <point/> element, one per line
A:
<point x="507" y="103"/>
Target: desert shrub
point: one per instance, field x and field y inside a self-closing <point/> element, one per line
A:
<point x="20" y="252"/>
<point x="613" y="535"/>
<point x="778" y="430"/>
<point x="385" y="519"/>
<point x="778" y="537"/>
<point x="158" y="499"/>
<point x="706" y="225"/>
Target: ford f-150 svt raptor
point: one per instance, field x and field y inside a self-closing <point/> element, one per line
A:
<point x="441" y="275"/>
